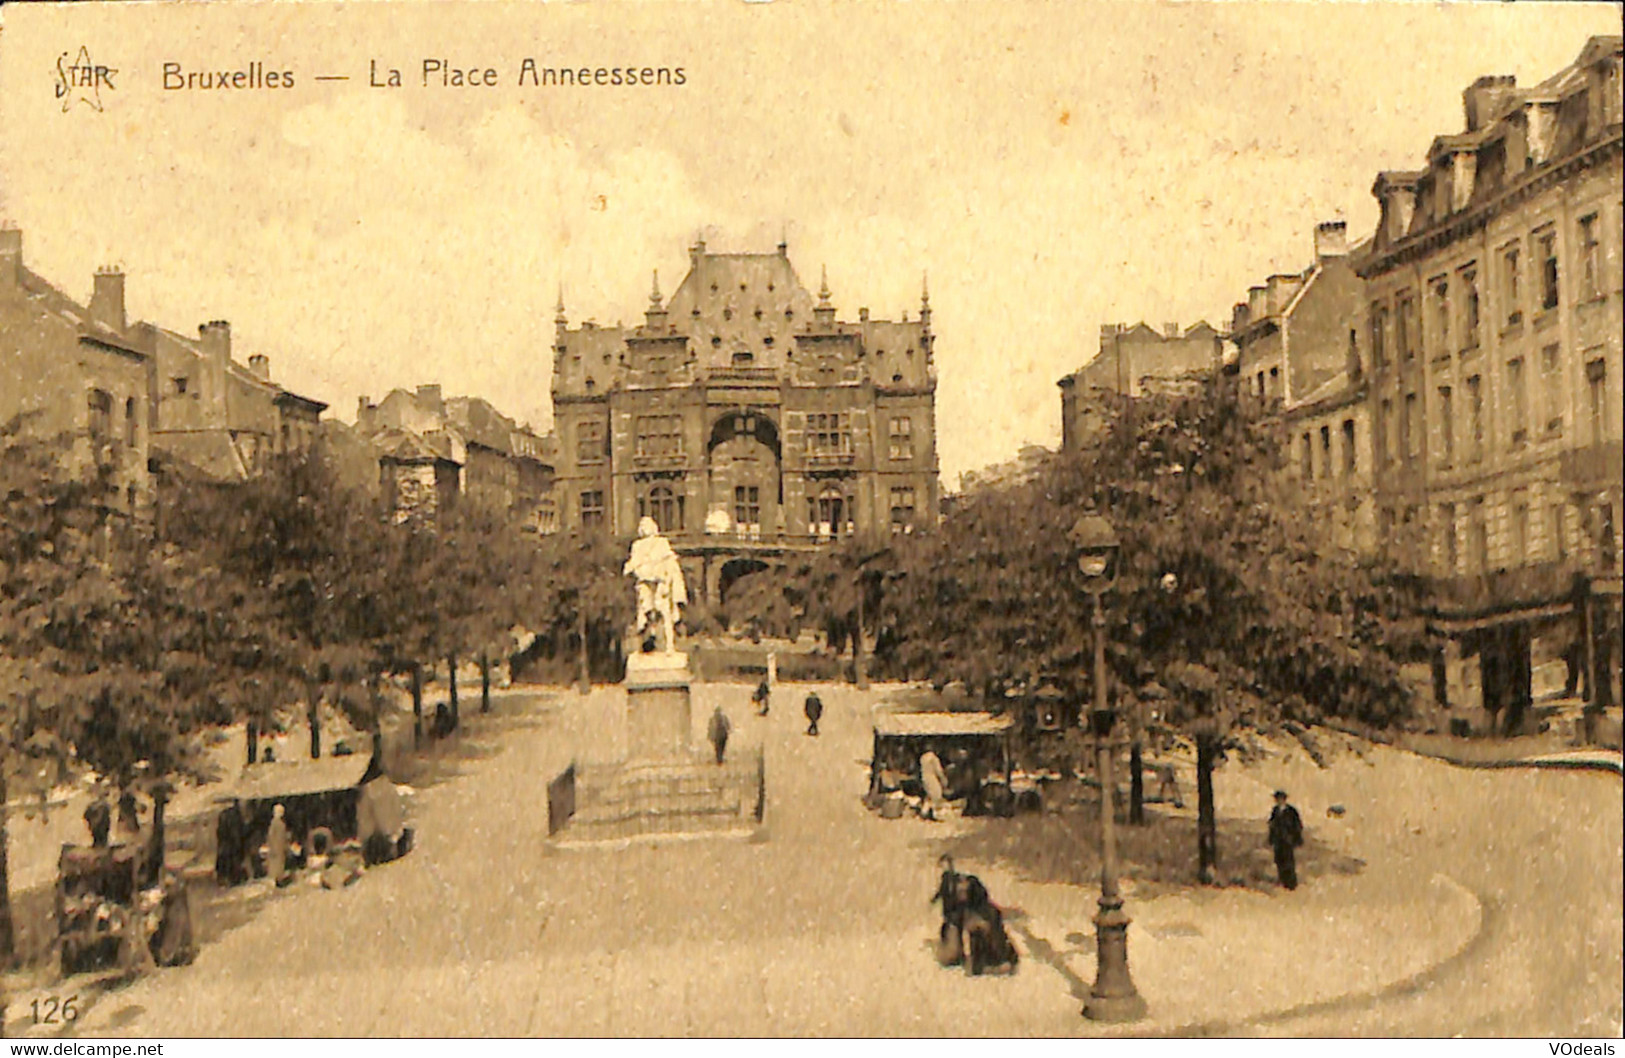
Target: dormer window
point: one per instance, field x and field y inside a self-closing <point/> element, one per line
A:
<point x="770" y="288"/>
<point x="897" y="378"/>
<point x="789" y="314"/>
<point x="758" y="313"/>
<point x="744" y="359"/>
<point x="713" y="288"/>
<point x="715" y="341"/>
<point x="180" y="384"/>
<point x="591" y="385"/>
<point x="768" y="341"/>
<point x="727" y="314"/>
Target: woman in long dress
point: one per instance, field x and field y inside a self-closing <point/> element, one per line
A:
<point x="935" y="781"/>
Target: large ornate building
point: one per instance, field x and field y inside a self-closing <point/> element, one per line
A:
<point x="746" y="419"/>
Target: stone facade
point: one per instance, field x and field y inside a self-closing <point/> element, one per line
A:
<point x="1131" y="361"/>
<point x="451" y="449"/>
<point x="76" y="373"/>
<point x="1494" y="322"/>
<point x="217" y="416"/>
<point x="1299" y="359"/>
<point x="746" y="419"/>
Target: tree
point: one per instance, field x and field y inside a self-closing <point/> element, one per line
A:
<point x="1291" y="628"/>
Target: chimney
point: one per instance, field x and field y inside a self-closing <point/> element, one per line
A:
<point x="259" y="365"/>
<point x="1258" y="305"/>
<point x="216" y="339"/>
<point x="696" y="252"/>
<point x="1396" y="192"/>
<point x="1239" y="317"/>
<point x="11" y="256"/>
<point x="363" y="413"/>
<point x="1331" y="239"/>
<point x="863" y="315"/>
<point x="107" y="299"/>
<point x="1171" y="330"/>
<point x="429" y="399"/>
<point x="1485" y="97"/>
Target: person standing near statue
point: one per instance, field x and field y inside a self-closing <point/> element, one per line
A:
<point x="661" y="588"/>
<point x="718" y="731"/>
<point x="814" y="710"/>
<point x="1286" y="835"/>
<point x="277" y="841"/>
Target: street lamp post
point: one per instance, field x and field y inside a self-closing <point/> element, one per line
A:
<point x="1113" y="997"/>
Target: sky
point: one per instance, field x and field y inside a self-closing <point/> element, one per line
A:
<point x="1051" y="166"/>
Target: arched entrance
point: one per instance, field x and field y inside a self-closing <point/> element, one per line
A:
<point x="743" y="454"/>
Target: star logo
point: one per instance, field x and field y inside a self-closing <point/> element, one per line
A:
<point x="82" y="80"/>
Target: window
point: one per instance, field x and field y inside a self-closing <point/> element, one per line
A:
<point x="179" y="384"/>
<point x="830" y="513"/>
<point x="829" y="434"/>
<point x="1411" y="428"/>
<point x="592" y="510"/>
<point x="1551" y="384"/>
<point x="1379" y="331"/>
<point x="1548" y="269"/>
<point x="590" y="441"/>
<point x="1275" y="383"/>
<point x="1441" y="314"/>
<point x="129" y="498"/>
<point x="1261" y="387"/>
<point x="744" y="359"/>
<point x="1590" y="259"/>
<point x="1560" y="543"/>
<point x="1597" y="387"/>
<point x="1606" y="539"/>
<point x="1405" y="335"/>
<point x="902" y="510"/>
<point x="1325" y="451"/>
<point x="1447" y="521"/>
<point x="902" y="437"/>
<point x="1447" y="427"/>
<point x="1479" y="535"/>
<point x="1509" y="284"/>
<point x="1385" y="433"/>
<point x="1475" y="408"/>
<point x="748" y="509"/>
<point x="665" y="507"/>
<point x="1350" y="458"/>
<point x="129" y="422"/>
<point x="1470" y="308"/>
<point x="659" y="437"/>
<point x="1518" y="401"/>
<point x="101" y="418"/>
<point x="1520" y="528"/>
<point x="1307" y="458"/>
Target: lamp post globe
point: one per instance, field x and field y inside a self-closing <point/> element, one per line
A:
<point x="1113" y="997"/>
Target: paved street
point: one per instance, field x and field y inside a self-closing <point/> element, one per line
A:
<point x="822" y="928"/>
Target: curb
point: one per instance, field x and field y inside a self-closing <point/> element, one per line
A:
<point x="1609" y="766"/>
<point x="1405" y="986"/>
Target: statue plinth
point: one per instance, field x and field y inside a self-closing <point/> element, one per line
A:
<point x="659" y="713"/>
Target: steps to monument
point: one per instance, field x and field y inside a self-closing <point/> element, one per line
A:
<point x="621" y="801"/>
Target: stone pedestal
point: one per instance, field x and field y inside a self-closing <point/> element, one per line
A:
<point x="659" y="714"/>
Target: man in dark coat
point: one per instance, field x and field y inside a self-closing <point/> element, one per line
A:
<point x="718" y="731"/>
<point x="950" y="939"/>
<point x="231" y="840"/>
<point x="1286" y="834"/>
<point x="814" y="710"/>
<point x="761" y="697"/>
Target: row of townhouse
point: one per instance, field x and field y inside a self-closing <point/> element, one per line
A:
<point x="433" y="452"/>
<point x="135" y="399"/>
<point x="1450" y="387"/>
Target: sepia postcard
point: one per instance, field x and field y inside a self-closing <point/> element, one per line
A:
<point x="806" y="519"/>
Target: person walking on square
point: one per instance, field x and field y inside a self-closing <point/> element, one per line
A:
<point x="760" y="698"/>
<point x="277" y="842"/>
<point x="814" y="710"/>
<point x="1286" y="835"/>
<point x="717" y="732"/>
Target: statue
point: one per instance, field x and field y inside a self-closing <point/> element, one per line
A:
<point x="660" y="581"/>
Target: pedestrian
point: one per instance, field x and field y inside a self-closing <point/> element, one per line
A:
<point x="277" y="841"/>
<point x="718" y="731"/>
<point x="814" y="710"/>
<point x="760" y="697"/>
<point x="950" y="939"/>
<point x="99" y="820"/>
<point x="231" y="835"/>
<point x="935" y="780"/>
<point x="1286" y="835"/>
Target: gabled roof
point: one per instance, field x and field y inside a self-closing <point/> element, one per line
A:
<point x="43" y="294"/>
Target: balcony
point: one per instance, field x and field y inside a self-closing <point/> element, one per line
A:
<point x="660" y="461"/>
<point x="1595" y="466"/>
<point x="830" y="459"/>
<point x="1542" y="584"/>
<point x="744" y="374"/>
